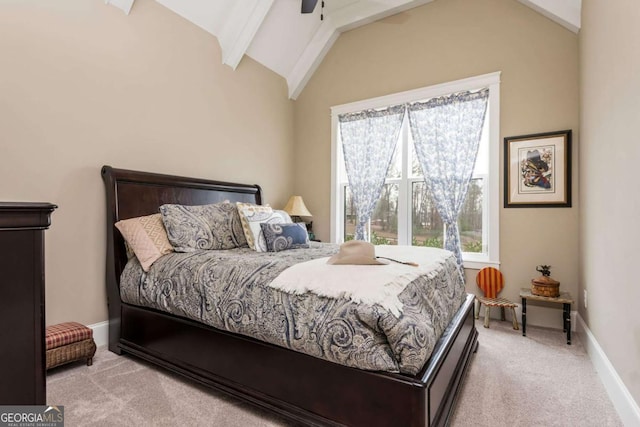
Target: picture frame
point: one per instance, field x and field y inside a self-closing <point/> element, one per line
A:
<point x="537" y="170"/>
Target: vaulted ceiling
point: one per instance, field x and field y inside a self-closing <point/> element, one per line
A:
<point x="276" y="34"/>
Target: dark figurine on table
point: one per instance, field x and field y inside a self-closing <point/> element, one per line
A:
<point x="544" y="269"/>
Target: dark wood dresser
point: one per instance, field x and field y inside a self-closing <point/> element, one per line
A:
<point x="22" y="323"/>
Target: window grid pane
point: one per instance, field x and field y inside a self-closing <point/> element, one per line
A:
<point x="383" y="225"/>
<point x="349" y="215"/>
<point x="470" y="221"/>
<point x="384" y="221"/>
<point x="427" y="227"/>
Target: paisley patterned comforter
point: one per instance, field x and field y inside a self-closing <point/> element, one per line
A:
<point x="228" y="289"/>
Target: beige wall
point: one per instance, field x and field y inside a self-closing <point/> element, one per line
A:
<point x="83" y="85"/>
<point x="609" y="156"/>
<point x="440" y="42"/>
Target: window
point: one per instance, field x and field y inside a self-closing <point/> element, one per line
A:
<point x="405" y="213"/>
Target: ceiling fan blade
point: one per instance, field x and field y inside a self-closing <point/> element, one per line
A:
<point x="308" y="6"/>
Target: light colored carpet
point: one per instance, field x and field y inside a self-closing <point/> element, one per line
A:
<point x="124" y="391"/>
<point x="536" y="380"/>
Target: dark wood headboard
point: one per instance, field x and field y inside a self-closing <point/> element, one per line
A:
<point x="133" y="193"/>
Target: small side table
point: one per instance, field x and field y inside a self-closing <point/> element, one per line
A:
<point x="564" y="299"/>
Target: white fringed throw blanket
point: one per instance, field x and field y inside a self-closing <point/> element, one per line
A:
<point x="369" y="284"/>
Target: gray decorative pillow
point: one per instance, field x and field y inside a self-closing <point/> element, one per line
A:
<point x="280" y="237"/>
<point x="215" y="226"/>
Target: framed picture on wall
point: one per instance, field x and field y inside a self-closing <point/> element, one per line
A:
<point x="537" y="170"/>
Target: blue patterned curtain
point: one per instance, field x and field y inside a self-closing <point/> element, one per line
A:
<point x="446" y="132"/>
<point x="368" y="141"/>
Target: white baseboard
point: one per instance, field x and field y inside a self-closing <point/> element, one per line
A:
<point x="100" y="333"/>
<point x="618" y="393"/>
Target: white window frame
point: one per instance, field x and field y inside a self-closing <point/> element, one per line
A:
<point x="491" y="225"/>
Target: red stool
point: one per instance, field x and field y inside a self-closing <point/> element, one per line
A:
<point x="68" y="342"/>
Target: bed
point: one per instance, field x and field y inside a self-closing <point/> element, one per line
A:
<point x="297" y="386"/>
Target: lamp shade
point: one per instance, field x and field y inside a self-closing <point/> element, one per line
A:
<point x="295" y="207"/>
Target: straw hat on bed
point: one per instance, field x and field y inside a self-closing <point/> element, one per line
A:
<point x="356" y="252"/>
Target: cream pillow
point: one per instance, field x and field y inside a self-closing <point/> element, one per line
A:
<point x="252" y="214"/>
<point x="147" y="237"/>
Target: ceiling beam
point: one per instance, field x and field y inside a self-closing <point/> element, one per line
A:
<point x="235" y="23"/>
<point x="125" y="5"/>
<point x="351" y="16"/>
<point x="240" y="28"/>
<point x="564" y="12"/>
<point x="311" y="58"/>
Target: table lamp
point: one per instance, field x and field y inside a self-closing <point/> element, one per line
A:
<point x="296" y="208"/>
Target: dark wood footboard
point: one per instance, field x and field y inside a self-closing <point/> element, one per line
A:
<point x="303" y="388"/>
<point x="306" y="389"/>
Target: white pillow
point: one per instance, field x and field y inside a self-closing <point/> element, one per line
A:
<point x="253" y="216"/>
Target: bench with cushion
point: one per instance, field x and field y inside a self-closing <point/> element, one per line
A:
<point x="69" y="342"/>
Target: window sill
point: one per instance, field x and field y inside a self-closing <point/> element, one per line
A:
<point x="477" y="264"/>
